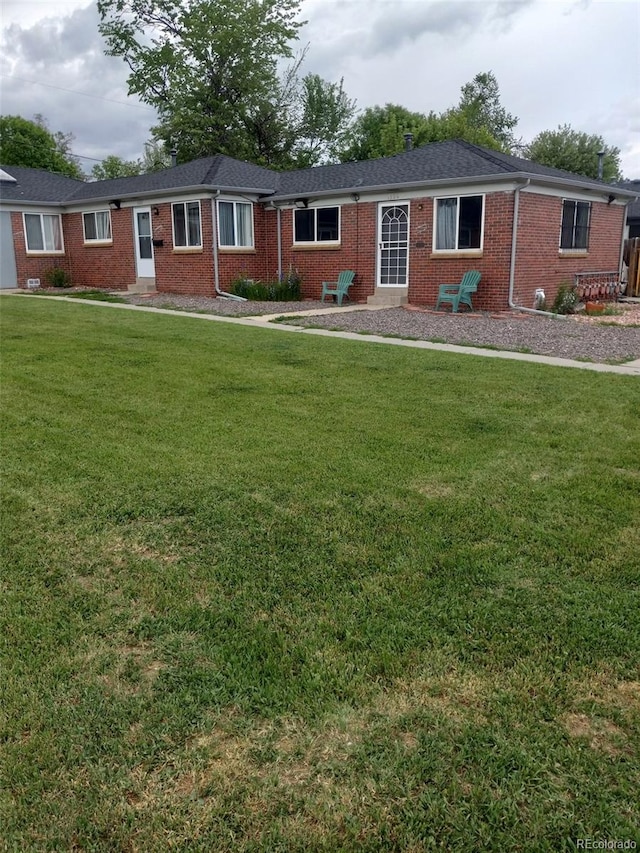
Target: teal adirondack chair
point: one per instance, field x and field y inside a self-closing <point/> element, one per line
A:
<point x="339" y="288"/>
<point x="459" y="294"/>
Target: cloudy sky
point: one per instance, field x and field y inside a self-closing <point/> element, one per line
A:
<point x="557" y="62"/>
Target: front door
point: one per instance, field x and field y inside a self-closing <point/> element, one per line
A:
<point x="393" y="245"/>
<point x="145" y="265"/>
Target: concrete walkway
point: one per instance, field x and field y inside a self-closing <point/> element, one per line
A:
<point x="629" y="368"/>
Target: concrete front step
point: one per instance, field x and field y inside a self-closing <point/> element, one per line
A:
<point x="391" y="296"/>
<point x="143" y="285"/>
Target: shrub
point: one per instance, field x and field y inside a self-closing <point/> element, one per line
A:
<point x="57" y="277"/>
<point x="566" y="299"/>
<point x="286" y="290"/>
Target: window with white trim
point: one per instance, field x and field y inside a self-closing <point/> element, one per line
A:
<point x="235" y="224"/>
<point x="43" y="232"/>
<point x="458" y="223"/>
<point x="97" y="226"/>
<point x="187" y="229"/>
<point x="574" y="232"/>
<point x="316" y="225"/>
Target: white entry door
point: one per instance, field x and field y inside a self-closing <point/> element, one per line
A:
<point x="145" y="264"/>
<point x="393" y="245"/>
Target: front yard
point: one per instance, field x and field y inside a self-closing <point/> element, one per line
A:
<point x="264" y="591"/>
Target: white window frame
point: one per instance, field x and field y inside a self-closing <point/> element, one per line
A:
<point x="184" y="204"/>
<point x="235" y="203"/>
<point x="573" y="249"/>
<point x="315" y="241"/>
<point x="95" y="240"/>
<point x="457" y="250"/>
<point x="44" y="250"/>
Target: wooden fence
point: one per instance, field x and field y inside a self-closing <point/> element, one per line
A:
<point x="632" y="260"/>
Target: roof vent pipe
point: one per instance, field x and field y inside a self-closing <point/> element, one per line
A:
<point x="600" y="164"/>
<point x="408" y="141"/>
<point x="174" y="157"/>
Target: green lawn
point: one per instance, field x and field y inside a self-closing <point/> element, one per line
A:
<point x="270" y="592"/>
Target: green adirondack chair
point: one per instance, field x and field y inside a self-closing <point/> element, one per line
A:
<point x="459" y="294"/>
<point x="339" y="288"/>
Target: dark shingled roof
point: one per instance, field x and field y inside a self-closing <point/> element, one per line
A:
<point x="36" y="185"/>
<point x="217" y="172"/>
<point x="439" y="161"/>
<point x="454" y="160"/>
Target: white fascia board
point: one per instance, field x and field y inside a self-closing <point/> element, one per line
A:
<point x="165" y="196"/>
<point x="440" y="191"/>
<point x="47" y="207"/>
<point x="576" y="194"/>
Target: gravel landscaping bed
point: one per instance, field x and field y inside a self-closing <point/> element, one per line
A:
<point x="225" y="307"/>
<point x="570" y="338"/>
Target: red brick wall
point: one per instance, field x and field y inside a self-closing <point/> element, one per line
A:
<point x="34" y="266"/>
<point x="357" y="252"/>
<point x="428" y="271"/>
<point x="539" y="263"/>
<point x="190" y="271"/>
<point x="111" y="267"/>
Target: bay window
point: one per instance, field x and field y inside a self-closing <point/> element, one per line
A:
<point x="235" y="224"/>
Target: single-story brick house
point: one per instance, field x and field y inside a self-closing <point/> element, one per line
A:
<point x="404" y="224"/>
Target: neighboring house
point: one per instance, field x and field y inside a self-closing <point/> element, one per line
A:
<point x="633" y="211"/>
<point x="404" y="224"/>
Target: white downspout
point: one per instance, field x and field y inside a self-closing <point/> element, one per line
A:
<point x="216" y="271"/>
<point x="512" y="271"/>
<point x="279" y="227"/>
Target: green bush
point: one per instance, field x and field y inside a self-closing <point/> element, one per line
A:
<point x="287" y="290"/>
<point x="57" y="277"/>
<point x="566" y="299"/>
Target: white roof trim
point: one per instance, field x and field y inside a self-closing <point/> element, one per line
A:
<point x="5" y="176"/>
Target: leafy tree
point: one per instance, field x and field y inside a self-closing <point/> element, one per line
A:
<point x="115" y="167"/>
<point x="31" y="144"/>
<point x="380" y="131"/>
<point x="574" y="151"/>
<point x="480" y="105"/>
<point x="155" y="157"/>
<point x="209" y="67"/>
<point x="325" y="117"/>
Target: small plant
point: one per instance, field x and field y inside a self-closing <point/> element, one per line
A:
<point x="57" y="277"/>
<point x="566" y="299"/>
<point x="285" y="290"/>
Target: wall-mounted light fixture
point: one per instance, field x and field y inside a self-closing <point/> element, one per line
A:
<point x="355" y="196"/>
<point x="612" y="198"/>
<point x="156" y="211"/>
<point x="301" y="202"/>
<point x="115" y="204"/>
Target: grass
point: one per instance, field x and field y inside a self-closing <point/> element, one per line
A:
<point x="269" y="592"/>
